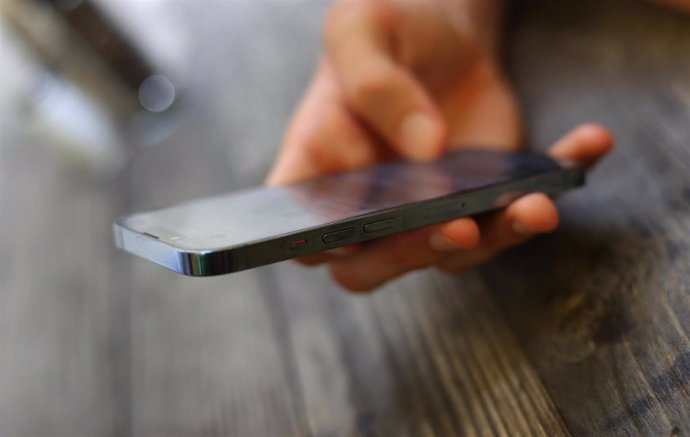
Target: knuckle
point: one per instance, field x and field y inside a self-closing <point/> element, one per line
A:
<point x="371" y="86"/>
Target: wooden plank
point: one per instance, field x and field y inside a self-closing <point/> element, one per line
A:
<point x="208" y="358"/>
<point x="428" y="355"/>
<point x="211" y="356"/>
<point x="603" y="307"/>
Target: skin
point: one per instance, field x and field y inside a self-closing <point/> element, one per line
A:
<point x="412" y="78"/>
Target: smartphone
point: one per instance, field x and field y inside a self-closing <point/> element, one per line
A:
<point x="263" y="225"/>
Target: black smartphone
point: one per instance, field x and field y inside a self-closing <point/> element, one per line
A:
<point x="263" y="225"/>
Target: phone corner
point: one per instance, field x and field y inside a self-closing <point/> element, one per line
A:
<point x="197" y="263"/>
<point x="574" y="176"/>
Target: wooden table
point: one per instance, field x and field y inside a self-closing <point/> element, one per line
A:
<point x="585" y="332"/>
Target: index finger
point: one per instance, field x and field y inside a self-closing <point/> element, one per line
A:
<point x="585" y="144"/>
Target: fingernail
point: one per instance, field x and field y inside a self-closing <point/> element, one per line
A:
<point x="521" y="229"/>
<point x="418" y="135"/>
<point x="441" y="243"/>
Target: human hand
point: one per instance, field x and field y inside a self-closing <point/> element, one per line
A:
<point x="407" y="78"/>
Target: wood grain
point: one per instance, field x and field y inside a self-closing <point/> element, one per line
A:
<point x="428" y="355"/>
<point x="211" y="356"/>
<point x="607" y="322"/>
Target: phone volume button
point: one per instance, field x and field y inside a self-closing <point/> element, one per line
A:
<point x="378" y="226"/>
<point x="339" y="235"/>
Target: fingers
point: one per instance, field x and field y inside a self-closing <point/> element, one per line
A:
<point x="494" y="119"/>
<point x="315" y="259"/>
<point x="585" y="144"/>
<point x="392" y="256"/>
<point x="451" y="246"/>
<point x="461" y="233"/>
<point x="535" y="213"/>
<point x="322" y="257"/>
<point x="323" y="137"/>
<point x="455" y="245"/>
<point x="528" y="216"/>
<point x="360" y="45"/>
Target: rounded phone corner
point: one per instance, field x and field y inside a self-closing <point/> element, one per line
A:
<point x="187" y="261"/>
<point x="197" y="263"/>
<point x="575" y="176"/>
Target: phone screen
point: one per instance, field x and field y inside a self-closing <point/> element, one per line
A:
<point x="265" y="212"/>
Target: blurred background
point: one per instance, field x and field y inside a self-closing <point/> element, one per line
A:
<point x="108" y="107"/>
<point x="114" y="106"/>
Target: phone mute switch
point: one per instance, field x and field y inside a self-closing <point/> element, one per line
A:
<point x="340" y="235"/>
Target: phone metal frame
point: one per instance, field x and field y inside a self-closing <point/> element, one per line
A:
<point x="199" y="263"/>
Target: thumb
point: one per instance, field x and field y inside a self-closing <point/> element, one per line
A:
<point x="387" y="97"/>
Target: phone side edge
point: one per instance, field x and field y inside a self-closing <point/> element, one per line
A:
<point x="574" y="175"/>
<point x="412" y="216"/>
<point x="213" y="262"/>
<point x="189" y="262"/>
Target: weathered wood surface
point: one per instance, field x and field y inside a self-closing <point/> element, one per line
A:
<point x="64" y="311"/>
<point x="582" y="333"/>
<point x="603" y="307"/>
